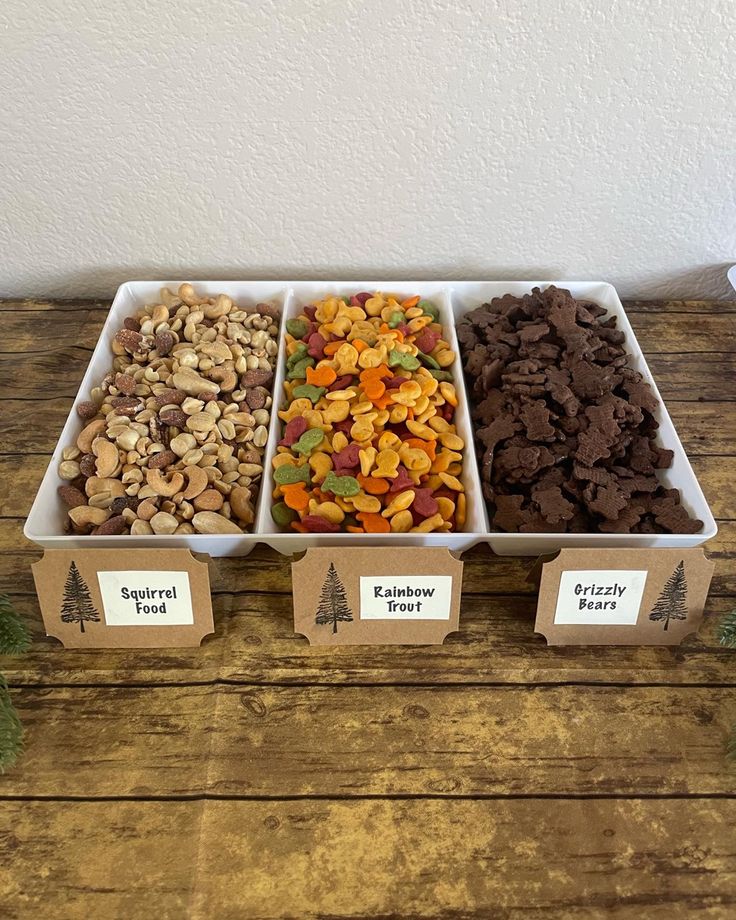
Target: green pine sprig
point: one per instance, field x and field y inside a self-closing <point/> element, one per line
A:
<point x="731" y="745"/>
<point x="727" y="630"/>
<point x="11" y="731"/>
<point x="14" y="639"/>
<point x="14" y="636"/>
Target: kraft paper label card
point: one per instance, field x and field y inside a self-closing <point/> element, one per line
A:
<point x="124" y="598"/>
<point x="622" y="596"/>
<point x="377" y="595"/>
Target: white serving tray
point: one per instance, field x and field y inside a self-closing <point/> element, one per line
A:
<point x="45" y="523"/>
<point x="46" y="519"/>
<point x="466" y="296"/>
<point x="476" y="526"/>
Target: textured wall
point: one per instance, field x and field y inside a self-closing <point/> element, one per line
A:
<point x="466" y="138"/>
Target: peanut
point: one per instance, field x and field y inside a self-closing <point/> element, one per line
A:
<point x="180" y="423"/>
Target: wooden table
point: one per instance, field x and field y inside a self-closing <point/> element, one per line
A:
<point x="257" y="777"/>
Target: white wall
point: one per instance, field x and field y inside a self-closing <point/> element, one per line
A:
<point x="400" y="138"/>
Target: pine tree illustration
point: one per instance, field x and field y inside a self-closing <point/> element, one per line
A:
<point x="333" y="602"/>
<point x="77" y="606"/>
<point x="670" y="604"/>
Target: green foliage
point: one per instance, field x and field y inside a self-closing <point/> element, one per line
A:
<point x="727" y="630"/>
<point x="731" y="745"/>
<point x="11" y="731"/>
<point x="14" y="637"/>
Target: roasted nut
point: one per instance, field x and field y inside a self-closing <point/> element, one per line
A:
<point x="163" y="523"/>
<point x="162" y="459"/>
<point x="197" y="481"/>
<point x="209" y="500"/>
<point x="69" y="469"/>
<point x="71" y="497"/>
<point x="189" y="381"/>
<point x="131" y="341"/>
<point x="94" y="485"/>
<point x="87" y="409"/>
<point x="89" y="433"/>
<point x="141" y="529"/>
<point x="241" y="504"/>
<point x="86" y="516"/>
<point x="108" y="460"/>
<point x="146" y="509"/>
<point x="163" y="486"/>
<point x="168" y="429"/>
<point x="183" y="443"/>
<point x="111" y="527"/>
<point x="213" y="523"/>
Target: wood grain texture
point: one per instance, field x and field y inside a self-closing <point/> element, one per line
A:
<point x="103" y="860"/>
<point x="90" y="742"/>
<point x="267" y="571"/>
<point x="491" y="778"/>
<point x="411" y="859"/>
<point x="254" y="643"/>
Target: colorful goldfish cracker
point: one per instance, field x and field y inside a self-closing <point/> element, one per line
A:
<point x="369" y="442"/>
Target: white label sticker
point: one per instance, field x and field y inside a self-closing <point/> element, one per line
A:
<point x="146" y="598"/>
<point x="600" y="597"/>
<point x="406" y="597"/>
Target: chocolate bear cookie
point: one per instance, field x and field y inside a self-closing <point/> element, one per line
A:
<point x="565" y="429"/>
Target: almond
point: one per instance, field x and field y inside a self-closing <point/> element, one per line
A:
<point x="174" y="417"/>
<point x="169" y="397"/>
<point x="162" y="459"/>
<point x="111" y="527"/>
<point x="71" y="497"/>
<point x="130" y="340"/>
<point x="164" y="342"/>
<point x="87" y="409"/>
<point x="125" y="383"/>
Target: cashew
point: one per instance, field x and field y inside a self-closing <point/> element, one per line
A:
<point x="162" y="486"/>
<point x="108" y="460"/>
<point x="88" y="516"/>
<point x="241" y="505"/>
<point x="197" y="481"/>
<point x="88" y="434"/>
<point x="94" y="485"/>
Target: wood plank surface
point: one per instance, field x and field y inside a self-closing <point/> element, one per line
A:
<point x="254" y="643"/>
<point x="561" y="859"/>
<point x="180" y="741"/>
<point x="266" y="571"/>
<point x="490" y="778"/>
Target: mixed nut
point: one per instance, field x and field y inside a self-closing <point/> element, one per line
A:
<point x="174" y="436"/>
